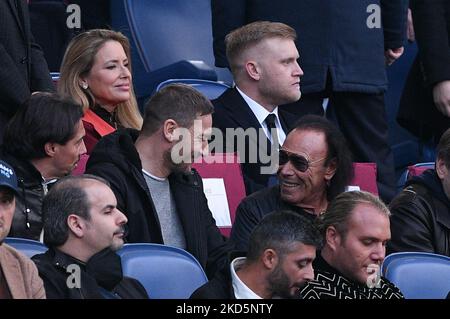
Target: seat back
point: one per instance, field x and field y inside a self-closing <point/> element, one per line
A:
<point x="365" y="177"/>
<point x="419" y="275"/>
<point x="81" y="165"/>
<point x="50" y="31"/>
<point x="166" y="272"/>
<point x="26" y="246"/>
<point x="163" y="34"/>
<point x="227" y="167"/>
<point x="210" y="89"/>
<point x="413" y="170"/>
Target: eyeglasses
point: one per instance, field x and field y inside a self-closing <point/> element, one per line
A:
<point x="300" y="162"/>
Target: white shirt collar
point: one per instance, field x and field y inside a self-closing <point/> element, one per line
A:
<point x="261" y="113"/>
<point x="241" y="291"/>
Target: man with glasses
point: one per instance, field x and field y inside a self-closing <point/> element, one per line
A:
<point x="315" y="166"/>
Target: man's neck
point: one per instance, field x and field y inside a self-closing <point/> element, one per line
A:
<point x="254" y="279"/>
<point x="317" y="204"/>
<point x="152" y="156"/>
<point x="253" y="94"/>
<point x="75" y="251"/>
<point x="42" y="166"/>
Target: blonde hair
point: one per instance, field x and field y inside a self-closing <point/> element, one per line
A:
<point x="78" y="61"/>
<point x="240" y="40"/>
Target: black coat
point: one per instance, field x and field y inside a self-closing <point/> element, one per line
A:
<point x="23" y="66"/>
<point x="116" y="159"/>
<point x="252" y="209"/>
<point x="27" y="221"/>
<point x="332" y="37"/>
<point x="417" y="111"/>
<point x="231" y="111"/>
<point x="104" y="280"/>
<point x="420" y="218"/>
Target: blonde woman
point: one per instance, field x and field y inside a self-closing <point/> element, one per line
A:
<point x="96" y="73"/>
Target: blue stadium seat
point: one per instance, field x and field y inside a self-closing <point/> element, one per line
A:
<point x="170" y="39"/>
<point x="26" y="246"/>
<point x="210" y="89"/>
<point x="419" y="275"/>
<point x="166" y="272"/>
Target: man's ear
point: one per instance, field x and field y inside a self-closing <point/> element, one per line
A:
<point x="441" y="168"/>
<point x="332" y="237"/>
<point x="270" y="259"/>
<point x="76" y="224"/>
<point x="253" y="70"/>
<point x="50" y="149"/>
<point x="169" y="127"/>
<point x="330" y="170"/>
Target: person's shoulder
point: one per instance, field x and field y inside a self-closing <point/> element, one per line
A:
<point x="11" y="253"/>
<point x="390" y="291"/>
<point x="265" y="194"/>
<point x="131" y="288"/>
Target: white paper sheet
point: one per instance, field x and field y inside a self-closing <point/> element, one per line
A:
<point x="216" y="195"/>
<point x="352" y="188"/>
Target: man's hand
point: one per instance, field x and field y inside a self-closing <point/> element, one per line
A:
<point x="441" y="96"/>
<point x="393" y="54"/>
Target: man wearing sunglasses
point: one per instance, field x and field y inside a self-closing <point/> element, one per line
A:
<point x="315" y="166"/>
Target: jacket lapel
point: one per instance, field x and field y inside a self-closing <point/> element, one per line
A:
<point x="238" y="109"/>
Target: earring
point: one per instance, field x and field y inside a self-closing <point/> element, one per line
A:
<point x="84" y="85"/>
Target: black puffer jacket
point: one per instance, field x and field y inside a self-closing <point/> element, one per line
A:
<point x="116" y="159"/>
<point x="421" y="217"/>
<point x="27" y="221"/>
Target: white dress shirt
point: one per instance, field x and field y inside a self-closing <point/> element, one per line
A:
<point x="261" y="113"/>
<point x="241" y="291"/>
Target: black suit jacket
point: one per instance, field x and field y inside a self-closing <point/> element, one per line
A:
<point x="23" y="68"/>
<point x="231" y="111"/>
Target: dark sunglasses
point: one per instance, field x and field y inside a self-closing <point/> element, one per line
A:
<point x="300" y="162"/>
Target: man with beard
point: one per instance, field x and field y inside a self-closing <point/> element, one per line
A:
<point x="355" y="229"/>
<point x="83" y="228"/>
<point x="42" y="142"/>
<point x="278" y="262"/>
<point x="314" y="167"/>
<point x="151" y="176"/>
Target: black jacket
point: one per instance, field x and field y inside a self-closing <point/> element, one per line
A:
<point x="231" y="111"/>
<point x="27" y="221"/>
<point x="221" y="286"/>
<point x="333" y="37"/>
<point x="23" y="68"/>
<point x="252" y="209"/>
<point x="116" y="159"/>
<point x="420" y="218"/>
<point x="329" y="283"/>
<point x="100" y="278"/>
<point x="417" y="111"/>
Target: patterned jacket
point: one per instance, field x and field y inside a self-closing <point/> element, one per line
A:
<point x="331" y="284"/>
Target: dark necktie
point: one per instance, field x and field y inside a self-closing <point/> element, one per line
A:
<point x="272" y="128"/>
